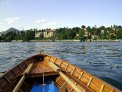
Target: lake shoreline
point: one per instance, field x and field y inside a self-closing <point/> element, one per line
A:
<point x="67" y="41"/>
<point x="75" y="41"/>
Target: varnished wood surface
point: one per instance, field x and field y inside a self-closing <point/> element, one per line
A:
<point x="9" y="80"/>
<point x="41" y="67"/>
<point x="83" y="80"/>
<point x="90" y="83"/>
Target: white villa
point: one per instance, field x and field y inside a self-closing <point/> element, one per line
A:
<point x="47" y="33"/>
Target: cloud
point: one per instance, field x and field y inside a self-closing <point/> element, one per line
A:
<point x="4" y="1"/>
<point x="49" y="25"/>
<point x="52" y="23"/>
<point x="7" y="2"/>
<point x="1" y="23"/>
<point x="12" y="20"/>
<point x="45" y="23"/>
<point x="41" y="21"/>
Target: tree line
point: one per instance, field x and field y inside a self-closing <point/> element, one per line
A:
<point x="90" y="33"/>
<point x="76" y="33"/>
<point x="26" y="35"/>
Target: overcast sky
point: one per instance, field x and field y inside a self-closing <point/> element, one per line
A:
<point x="26" y="14"/>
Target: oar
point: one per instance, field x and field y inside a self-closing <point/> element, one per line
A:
<point x="23" y="77"/>
<point x="57" y="69"/>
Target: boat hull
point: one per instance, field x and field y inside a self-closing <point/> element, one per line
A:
<point x="65" y="76"/>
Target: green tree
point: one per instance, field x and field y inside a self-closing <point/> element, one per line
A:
<point x="75" y="32"/>
<point x="81" y="35"/>
<point x="0" y="38"/>
<point x="9" y="36"/>
<point x="119" y="34"/>
<point x="89" y="29"/>
<point x="29" y="35"/>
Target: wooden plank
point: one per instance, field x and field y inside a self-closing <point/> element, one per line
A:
<point x="64" y="76"/>
<point x="86" y="75"/>
<point x="73" y="70"/>
<point x="80" y="75"/>
<point x="23" y="78"/>
<point x="66" y="66"/>
<point x="84" y="80"/>
<point x="61" y="63"/>
<point x="38" y="68"/>
<point x="96" y="82"/>
<point x="26" y="63"/>
<point x="13" y="72"/>
<point x="81" y="85"/>
<point x="76" y="73"/>
<point x="61" y="81"/>
<point x="101" y="90"/>
<point x="63" y="84"/>
<point x="23" y="66"/>
<point x="3" y="83"/>
<point x="70" y="89"/>
<point x="10" y="75"/>
<point x="41" y="74"/>
<point x="108" y="88"/>
<point x="20" y="67"/>
<point x="94" y="87"/>
<point x="58" y="78"/>
<point x="89" y="81"/>
<point x="112" y="90"/>
<point x="8" y="81"/>
<point x="57" y="62"/>
<point x="53" y="59"/>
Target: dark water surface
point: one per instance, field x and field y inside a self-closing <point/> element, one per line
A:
<point x="103" y="59"/>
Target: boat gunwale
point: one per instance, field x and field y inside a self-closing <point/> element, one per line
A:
<point x="5" y="78"/>
<point x="95" y="77"/>
<point x="56" y="59"/>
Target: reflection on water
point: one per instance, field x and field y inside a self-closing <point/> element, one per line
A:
<point x="99" y="58"/>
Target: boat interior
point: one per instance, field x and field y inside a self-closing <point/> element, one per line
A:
<point x="50" y="74"/>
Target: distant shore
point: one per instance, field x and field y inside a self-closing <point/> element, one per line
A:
<point x="120" y="40"/>
<point x="75" y="41"/>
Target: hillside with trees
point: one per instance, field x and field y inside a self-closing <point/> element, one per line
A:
<point x="82" y="33"/>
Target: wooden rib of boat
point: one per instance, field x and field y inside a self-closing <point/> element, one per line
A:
<point x="41" y="73"/>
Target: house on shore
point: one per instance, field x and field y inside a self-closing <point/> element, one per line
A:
<point x="47" y="33"/>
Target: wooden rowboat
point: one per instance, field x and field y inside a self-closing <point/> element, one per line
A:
<point x="45" y="73"/>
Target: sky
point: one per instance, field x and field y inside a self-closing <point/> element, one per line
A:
<point x="41" y="14"/>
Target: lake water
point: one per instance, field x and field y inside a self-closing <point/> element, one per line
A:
<point x="103" y="59"/>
